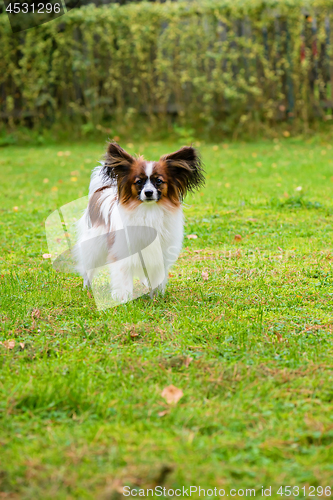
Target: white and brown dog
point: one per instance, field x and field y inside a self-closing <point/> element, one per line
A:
<point x="130" y="192"/>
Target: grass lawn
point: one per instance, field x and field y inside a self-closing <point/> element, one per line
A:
<point x="244" y="330"/>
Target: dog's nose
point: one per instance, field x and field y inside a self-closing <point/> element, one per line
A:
<point x="148" y="194"/>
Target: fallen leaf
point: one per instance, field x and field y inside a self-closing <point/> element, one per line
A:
<point x="60" y="153"/>
<point x="116" y="138"/>
<point x="274" y="165"/>
<point x="73" y="179"/>
<point x="172" y="394"/>
<point x="323" y="152"/>
<point x="162" y="413"/>
<point x="47" y="255"/>
<point x="45" y="181"/>
<point x="67" y="153"/>
<point x="117" y="486"/>
<point x="35" y="313"/>
<point x="8" y="344"/>
<point x="254" y="155"/>
<point x="198" y="251"/>
<point x="15" y="209"/>
<point x="191" y="236"/>
<point x="187" y="361"/>
<point x="227" y="184"/>
<point x="299" y="188"/>
<point x="54" y="188"/>
<point x="215" y="148"/>
<point x="259" y="164"/>
<point x="88" y="160"/>
<point x="204" y="275"/>
<point x="237" y="237"/>
<point x="286" y="133"/>
<point x="22" y="345"/>
<point x="60" y="181"/>
<point x="75" y="172"/>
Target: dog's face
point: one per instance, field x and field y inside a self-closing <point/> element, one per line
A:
<point x="165" y="181"/>
<point x="149" y="182"/>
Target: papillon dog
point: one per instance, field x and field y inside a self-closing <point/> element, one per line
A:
<point x="130" y="193"/>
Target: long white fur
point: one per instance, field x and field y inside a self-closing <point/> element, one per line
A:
<point x="168" y="224"/>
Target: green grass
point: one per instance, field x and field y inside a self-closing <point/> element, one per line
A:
<point x="81" y="406"/>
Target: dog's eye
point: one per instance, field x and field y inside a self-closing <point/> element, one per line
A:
<point x="159" y="182"/>
<point x="139" y="182"/>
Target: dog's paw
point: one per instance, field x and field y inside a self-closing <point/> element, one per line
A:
<point x="121" y="296"/>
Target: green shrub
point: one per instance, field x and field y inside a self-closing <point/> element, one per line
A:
<point x="220" y="66"/>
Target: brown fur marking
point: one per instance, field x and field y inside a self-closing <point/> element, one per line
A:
<point x="94" y="207"/>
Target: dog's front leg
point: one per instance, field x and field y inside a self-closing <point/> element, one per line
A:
<point x="121" y="282"/>
<point x="160" y="289"/>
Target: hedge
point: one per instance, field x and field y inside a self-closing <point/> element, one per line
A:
<point x="216" y="66"/>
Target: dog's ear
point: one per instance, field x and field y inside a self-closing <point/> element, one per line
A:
<point x="117" y="162"/>
<point x="185" y="169"/>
